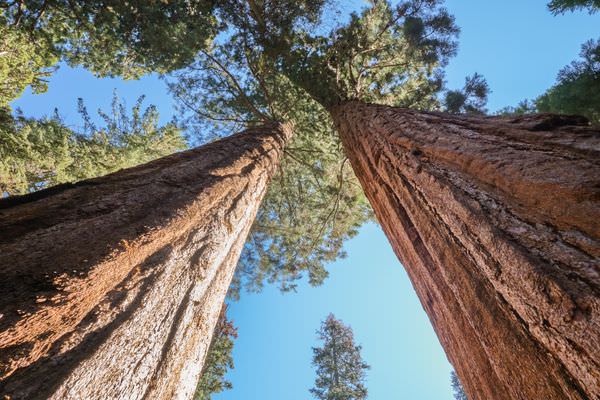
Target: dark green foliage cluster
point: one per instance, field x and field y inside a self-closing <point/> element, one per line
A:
<point x="457" y="389"/>
<point x="393" y="54"/>
<point x="218" y="359"/>
<point x="314" y="203"/>
<point x="341" y="371"/>
<point x="277" y="63"/>
<point x="22" y="64"/>
<point x="386" y="54"/>
<point x="471" y="99"/>
<point x="38" y="153"/>
<point x="577" y="90"/>
<point x="524" y="107"/>
<point x="561" y="6"/>
<point x="109" y="37"/>
<point x="312" y="207"/>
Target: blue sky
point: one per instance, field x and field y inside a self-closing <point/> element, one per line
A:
<point x="519" y="47"/>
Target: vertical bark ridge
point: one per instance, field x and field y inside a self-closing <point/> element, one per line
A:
<point x="111" y="287"/>
<point x="497" y="221"/>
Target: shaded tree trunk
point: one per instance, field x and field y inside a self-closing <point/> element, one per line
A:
<point x="110" y="288"/>
<point x="497" y="222"/>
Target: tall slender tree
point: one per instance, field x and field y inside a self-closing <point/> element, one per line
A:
<point x="341" y="371"/>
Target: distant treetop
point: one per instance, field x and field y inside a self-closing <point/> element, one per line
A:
<point x="562" y="6"/>
<point x="341" y="371"/>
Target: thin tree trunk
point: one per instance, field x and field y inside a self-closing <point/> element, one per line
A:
<point x="110" y="288"/>
<point x="497" y="222"/>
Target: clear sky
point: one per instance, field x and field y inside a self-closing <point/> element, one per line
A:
<point x="519" y="47"/>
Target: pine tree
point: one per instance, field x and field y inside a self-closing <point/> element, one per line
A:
<point x="219" y="359"/>
<point x="577" y="90"/>
<point x="341" y="371"/>
<point x="316" y="203"/>
<point x="457" y="389"/>
<point x="39" y="153"/>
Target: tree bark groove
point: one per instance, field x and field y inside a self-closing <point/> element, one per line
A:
<point x="497" y="222"/>
<point x="111" y="287"/>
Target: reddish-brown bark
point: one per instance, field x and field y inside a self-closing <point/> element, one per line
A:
<point x="497" y="221"/>
<point x="110" y="288"/>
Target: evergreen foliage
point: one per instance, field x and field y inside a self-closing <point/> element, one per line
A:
<point x="562" y="6"/>
<point x="21" y="65"/>
<point x="279" y="62"/>
<point x="578" y="88"/>
<point x="523" y="107"/>
<point x="457" y="389"/>
<point x="218" y="359"/>
<point x="109" y="37"/>
<point x="471" y="99"/>
<point x="314" y="203"/>
<point x="341" y="371"/>
<point x="386" y="54"/>
<point x="38" y="153"/>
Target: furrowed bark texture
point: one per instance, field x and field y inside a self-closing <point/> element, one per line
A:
<point x="110" y="288"/>
<point x="497" y="222"/>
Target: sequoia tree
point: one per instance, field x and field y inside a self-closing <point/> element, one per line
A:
<point x="111" y="287"/>
<point x="495" y="219"/>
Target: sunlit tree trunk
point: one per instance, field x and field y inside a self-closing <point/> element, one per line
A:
<point x="497" y="222"/>
<point x="110" y="288"/>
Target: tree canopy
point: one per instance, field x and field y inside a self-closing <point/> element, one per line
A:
<point x="471" y="99"/>
<point x="108" y="37"/>
<point x="562" y="6"/>
<point x="38" y="153"/>
<point x="277" y="60"/>
<point x="577" y="90"/>
<point x="282" y="61"/>
<point x="21" y="65"/>
<point x="314" y="203"/>
<point x="341" y="371"/>
<point x="386" y="54"/>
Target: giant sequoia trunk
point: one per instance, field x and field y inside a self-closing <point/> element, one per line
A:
<point x="110" y="288"/>
<point x="497" y="221"/>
